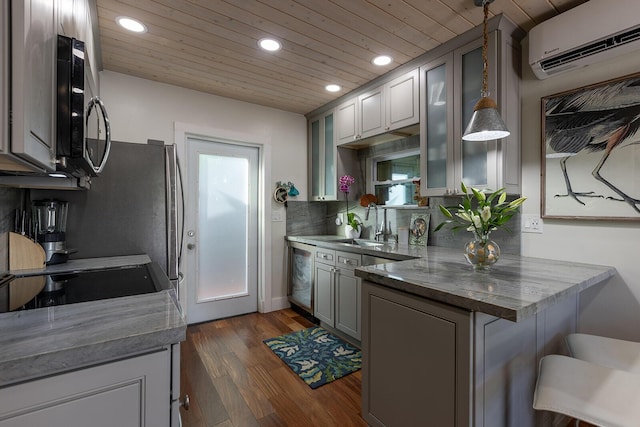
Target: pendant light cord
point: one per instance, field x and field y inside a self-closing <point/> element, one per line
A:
<point x="485" y="45"/>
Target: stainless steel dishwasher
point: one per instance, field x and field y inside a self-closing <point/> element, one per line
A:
<point x="300" y="278"/>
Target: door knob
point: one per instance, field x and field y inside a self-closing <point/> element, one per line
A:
<point x="184" y="402"/>
<point x="191" y="245"/>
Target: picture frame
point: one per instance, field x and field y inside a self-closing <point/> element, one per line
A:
<point x="419" y="229"/>
<point x="590" y="160"/>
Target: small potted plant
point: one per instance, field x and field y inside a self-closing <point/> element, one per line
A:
<point x="353" y="227"/>
<point x="480" y="214"/>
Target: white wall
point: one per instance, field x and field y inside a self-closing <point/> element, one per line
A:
<point x="612" y="309"/>
<point x="142" y="109"/>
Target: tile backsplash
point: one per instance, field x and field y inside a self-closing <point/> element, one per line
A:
<point x="319" y="218"/>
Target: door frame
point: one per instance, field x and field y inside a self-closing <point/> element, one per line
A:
<point x="183" y="131"/>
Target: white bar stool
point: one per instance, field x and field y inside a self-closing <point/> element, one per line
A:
<point x="589" y="392"/>
<point x="611" y="352"/>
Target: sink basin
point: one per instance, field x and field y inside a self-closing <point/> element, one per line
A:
<point x="366" y="243"/>
<point x="362" y="242"/>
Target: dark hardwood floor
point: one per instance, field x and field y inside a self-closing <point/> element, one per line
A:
<point x="234" y="379"/>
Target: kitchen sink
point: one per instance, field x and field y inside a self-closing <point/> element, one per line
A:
<point x="362" y="242"/>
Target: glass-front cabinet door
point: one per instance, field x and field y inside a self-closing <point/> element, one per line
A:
<point x="323" y="157"/>
<point x="436" y="125"/>
<point x="450" y="87"/>
<point x="476" y="158"/>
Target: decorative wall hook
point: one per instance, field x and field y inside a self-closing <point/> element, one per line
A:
<point x="290" y="187"/>
<point x="283" y="190"/>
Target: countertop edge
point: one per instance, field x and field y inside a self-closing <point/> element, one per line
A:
<point x="514" y="315"/>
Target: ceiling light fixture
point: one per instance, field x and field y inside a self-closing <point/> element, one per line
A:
<point x="131" y="24"/>
<point x="382" y="60"/>
<point x="270" y="45"/>
<point x="332" y="88"/>
<point x="486" y="123"/>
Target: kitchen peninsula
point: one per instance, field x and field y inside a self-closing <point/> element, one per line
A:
<point x="444" y="345"/>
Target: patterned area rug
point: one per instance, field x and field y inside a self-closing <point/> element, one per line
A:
<point x="317" y="356"/>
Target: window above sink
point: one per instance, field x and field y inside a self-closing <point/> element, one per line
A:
<point x="394" y="178"/>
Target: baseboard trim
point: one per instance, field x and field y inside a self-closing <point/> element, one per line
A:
<point x="279" y="304"/>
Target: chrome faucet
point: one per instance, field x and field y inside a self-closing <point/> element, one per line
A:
<point x="378" y="231"/>
<point x="369" y="206"/>
<point x="385" y="230"/>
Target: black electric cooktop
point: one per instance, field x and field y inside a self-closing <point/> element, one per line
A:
<point x="31" y="292"/>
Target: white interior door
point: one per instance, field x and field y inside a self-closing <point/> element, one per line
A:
<point x="222" y="230"/>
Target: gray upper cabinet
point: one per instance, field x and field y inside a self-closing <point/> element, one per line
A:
<point x="322" y="160"/>
<point x="328" y="162"/>
<point x="402" y="101"/>
<point x="347" y="119"/>
<point x="33" y="44"/>
<point x="387" y="107"/>
<point x="28" y="49"/>
<point x="450" y="86"/>
<point x="371" y="107"/>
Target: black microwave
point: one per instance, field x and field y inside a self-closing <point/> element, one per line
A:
<point x="83" y="136"/>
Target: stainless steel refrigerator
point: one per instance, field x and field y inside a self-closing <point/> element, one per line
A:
<point x="134" y="207"/>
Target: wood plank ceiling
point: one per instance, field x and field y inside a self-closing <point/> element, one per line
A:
<point x="211" y="45"/>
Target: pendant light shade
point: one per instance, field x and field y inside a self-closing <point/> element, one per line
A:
<point x="486" y="123"/>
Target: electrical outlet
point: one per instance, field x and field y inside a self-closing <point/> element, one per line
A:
<point x="531" y="223"/>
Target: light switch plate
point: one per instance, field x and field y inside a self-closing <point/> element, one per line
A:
<point x="276" y="216"/>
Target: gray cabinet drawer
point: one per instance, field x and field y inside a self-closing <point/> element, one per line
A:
<point x="326" y="256"/>
<point x="348" y="260"/>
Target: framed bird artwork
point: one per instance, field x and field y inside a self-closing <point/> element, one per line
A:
<point x="591" y="151"/>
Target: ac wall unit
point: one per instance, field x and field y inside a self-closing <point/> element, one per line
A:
<point x="591" y="32"/>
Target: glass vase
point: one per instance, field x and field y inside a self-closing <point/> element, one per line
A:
<point x="482" y="253"/>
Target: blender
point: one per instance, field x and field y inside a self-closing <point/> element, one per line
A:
<point x="50" y="223"/>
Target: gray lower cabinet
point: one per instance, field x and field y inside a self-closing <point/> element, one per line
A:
<point x="348" y="300"/>
<point x="127" y="393"/>
<point x="337" y="299"/>
<point x="415" y="361"/>
<point x="431" y="364"/>
<point x="323" y="307"/>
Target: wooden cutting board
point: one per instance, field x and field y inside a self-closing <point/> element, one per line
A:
<point x="24" y="253"/>
<point x="23" y="290"/>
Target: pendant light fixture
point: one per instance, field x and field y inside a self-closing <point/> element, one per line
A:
<point x="486" y="123"/>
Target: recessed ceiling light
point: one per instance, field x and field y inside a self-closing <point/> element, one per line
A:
<point x="269" y="44"/>
<point x="382" y="60"/>
<point x="131" y="24"/>
<point x="332" y="88"/>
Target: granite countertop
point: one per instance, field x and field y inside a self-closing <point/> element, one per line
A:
<point x="56" y="339"/>
<point x="514" y="289"/>
<point x="390" y="250"/>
